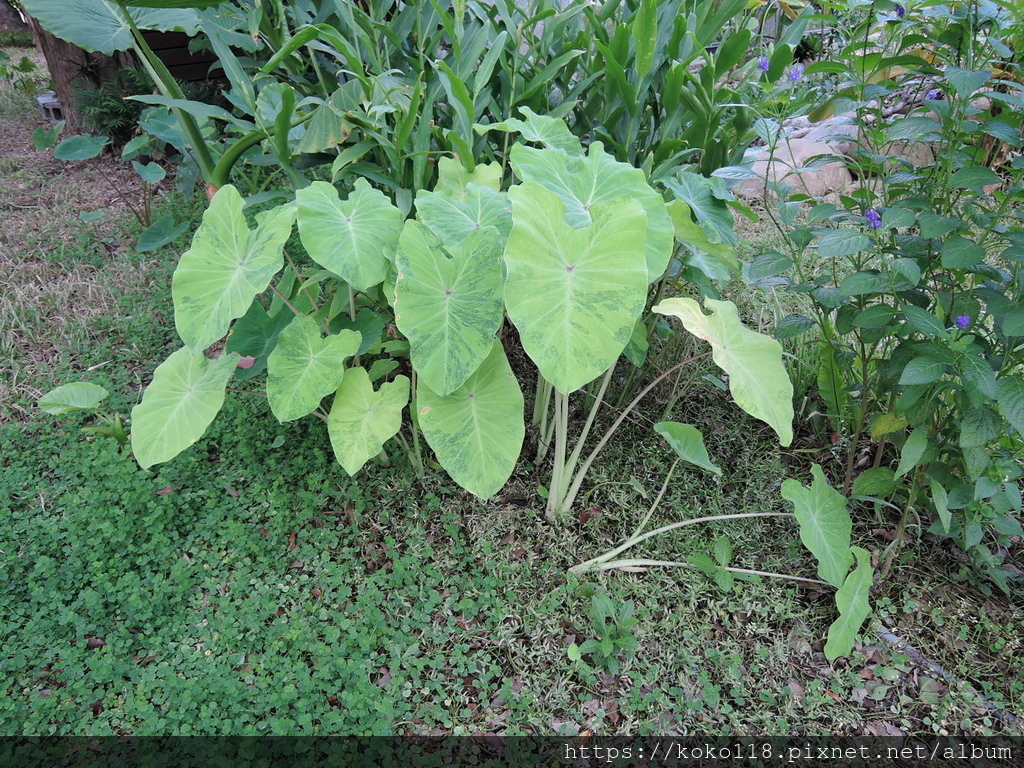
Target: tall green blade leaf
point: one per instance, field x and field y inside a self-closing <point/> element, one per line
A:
<point x="574" y="294"/>
<point x="362" y="420"/>
<point x="688" y="443"/>
<point x="824" y="524"/>
<point x="854" y="608"/>
<point x="583" y="182"/>
<point x="645" y="33"/>
<point x="476" y="431"/>
<point x="757" y="378"/>
<point x="304" y="368"/>
<point x="186" y="393"/>
<point x="353" y="238"/>
<point x="226" y="267"/>
<point x="449" y="306"/>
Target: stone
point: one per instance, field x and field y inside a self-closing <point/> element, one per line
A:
<point x="791" y="155"/>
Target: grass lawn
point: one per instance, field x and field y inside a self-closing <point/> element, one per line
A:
<point x="249" y="586"/>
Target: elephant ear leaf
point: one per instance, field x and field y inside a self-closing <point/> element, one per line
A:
<point x="186" y="393"/>
<point x="854" y="607"/>
<point x="362" y="420"/>
<point x="757" y="378"/>
<point x="227" y="266"/>
<point x="476" y="431"/>
<point x="448" y="304"/>
<point x="824" y="524"/>
<point x="688" y="443"/>
<point x="354" y="238"/>
<point x="574" y="294"/>
<point x="304" y="368"/>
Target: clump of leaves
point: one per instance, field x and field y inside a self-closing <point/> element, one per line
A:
<point x="613" y="633"/>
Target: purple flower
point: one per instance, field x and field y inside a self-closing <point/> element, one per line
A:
<point x="874" y="220"/>
<point x="763" y="64"/>
<point x="900" y="10"/>
<point x="962" y="321"/>
<point x="796" y="72"/>
<point x="933" y="94"/>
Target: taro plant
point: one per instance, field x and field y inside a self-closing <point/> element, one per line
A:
<point x="614" y="637"/>
<point x="85" y="397"/>
<point x="564" y="254"/>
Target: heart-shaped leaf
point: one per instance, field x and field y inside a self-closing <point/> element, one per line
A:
<point x="449" y="306"/>
<point x="353" y="238"/>
<point x="186" y="393"/>
<point x="854" y="608"/>
<point x="304" y="368"/>
<point x="582" y="183"/>
<point x="757" y="378"/>
<point x="99" y="25"/>
<point x="79" y="396"/>
<point x="226" y="267"/>
<point x="455" y="219"/>
<point x="476" y="431"/>
<point x="362" y="420"/>
<point x="688" y="443"/>
<point x="574" y="294"/>
<point x="824" y="524"/>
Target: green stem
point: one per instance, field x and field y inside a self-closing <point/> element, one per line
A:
<point x="556" y="490"/>
<point x="170" y="88"/>
<point x="598" y="400"/>
<point x="582" y="473"/>
<point x="670" y="563"/>
<point x="632" y="542"/>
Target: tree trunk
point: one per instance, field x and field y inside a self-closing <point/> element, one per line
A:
<point x="10" y="19"/>
<point x="70" y="67"/>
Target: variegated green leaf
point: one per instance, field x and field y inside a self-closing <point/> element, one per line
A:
<point x="854" y="608"/>
<point x="454" y="219"/>
<point x="476" y="431"/>
<point x="825" y="524"/>
<point x="757" y="378"/>
<point x="449" y="305"/>
<point x="362" y="420"/>
<point x="353" y="238"/>
<point x="574" y="294"/>
<point x="304" y="368"/>
<point x="185" y="395"/>
<point x="227" y="266"/>
<point x="582" y="183"/>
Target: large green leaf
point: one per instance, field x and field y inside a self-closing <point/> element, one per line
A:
<point x="78" y="396"/>
<point x="449" y="305"/>
<point x="476" y="431"/>
<point x="541" y="129"/>
<point x="1010" y="399"/>
<point x="353" y="238"/>
<point x="584" y="182"/>
<point x="574" y="294"/>
<point x="757" y="378"/>
<point x="227" y="266"/>
<point x="688" y="443"/>
<point x="824" y="524"/>
<point x="185" y="395"/>
<point x="454" y="219"/>
<point x="454" y="179"/>
<point x="692" y="234"/>
<point x="304" y="368"/>
<point x="98" y="25"/>
<point x="362" y="420"/>
<point x="853" y="605"/>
